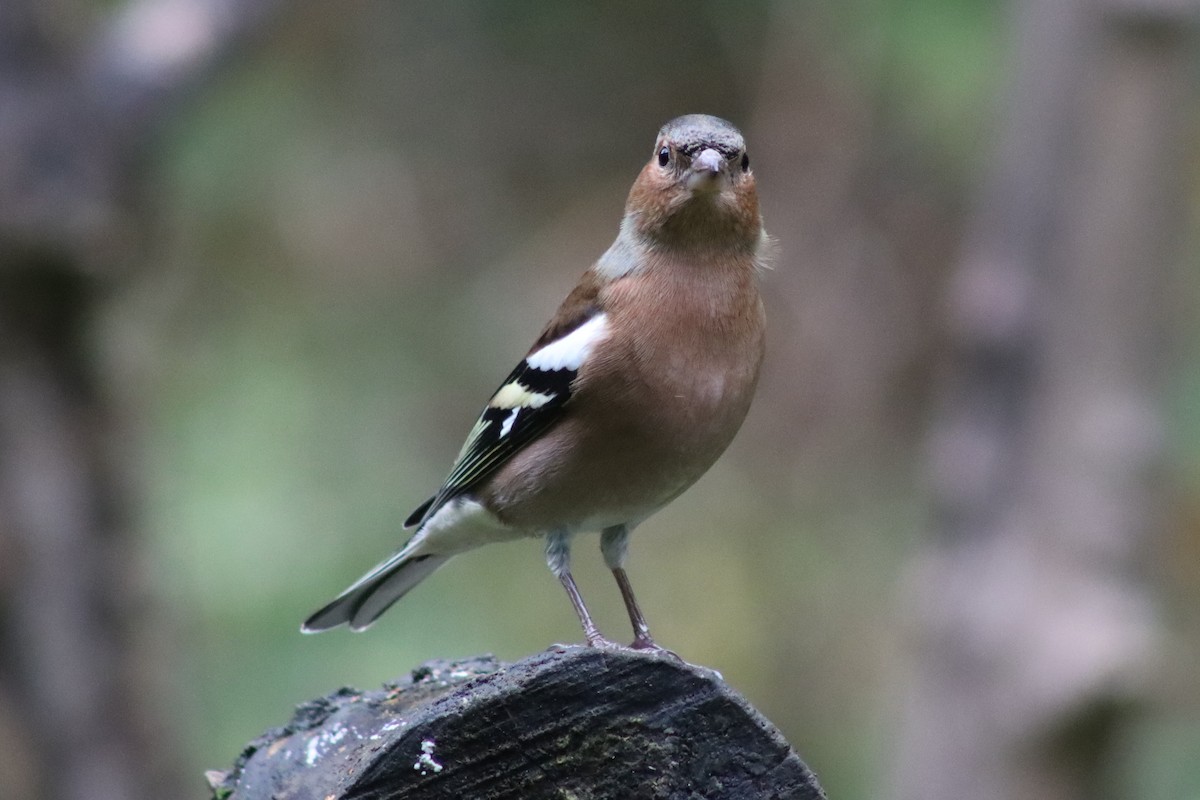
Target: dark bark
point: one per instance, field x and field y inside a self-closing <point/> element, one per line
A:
<point x="570" y="722"/>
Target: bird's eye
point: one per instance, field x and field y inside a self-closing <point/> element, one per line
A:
<point x="664" y="156"/>
<point x="745" y="162"/>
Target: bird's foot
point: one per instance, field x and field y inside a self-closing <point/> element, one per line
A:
<point x="600" y="643"/>
<point x="643" y="643"/>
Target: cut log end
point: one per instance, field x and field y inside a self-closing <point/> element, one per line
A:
<point x="572" y="722"/>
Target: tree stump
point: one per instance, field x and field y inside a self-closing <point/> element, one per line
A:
<point x="572" y="722"/>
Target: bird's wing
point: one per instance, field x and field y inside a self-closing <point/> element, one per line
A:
<point x="532" y="398"/>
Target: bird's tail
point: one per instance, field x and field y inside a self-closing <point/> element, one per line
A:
<point x="374" y="593"/>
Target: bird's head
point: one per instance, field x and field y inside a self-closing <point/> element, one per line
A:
<point x="697" y="190"/>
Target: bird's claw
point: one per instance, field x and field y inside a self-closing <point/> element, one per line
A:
<point x="601" y="643"/>
<point x="644" y="644"/>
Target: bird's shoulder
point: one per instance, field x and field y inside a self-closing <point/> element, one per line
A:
<point x="580" y="306"/>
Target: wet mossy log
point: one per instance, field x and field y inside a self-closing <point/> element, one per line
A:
<point x="572" y="722"/>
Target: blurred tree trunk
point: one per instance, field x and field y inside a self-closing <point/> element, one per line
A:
<point x="1036" y="623"/>
<point x="78" y="713"/>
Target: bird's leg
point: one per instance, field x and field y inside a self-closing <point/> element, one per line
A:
<point x="641" y="631"/>
<point x="614" y="544"/>
<point x="558" y="557"/>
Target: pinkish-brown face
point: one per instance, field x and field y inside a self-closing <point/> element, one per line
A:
<point x="697" y="186"/>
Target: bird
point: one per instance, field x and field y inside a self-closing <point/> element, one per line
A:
<point x="633" y="389"/>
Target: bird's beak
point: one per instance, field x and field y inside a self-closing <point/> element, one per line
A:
<point x="707" y="167"/>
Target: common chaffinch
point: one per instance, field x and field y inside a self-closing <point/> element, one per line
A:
<point x="631" y="392"/>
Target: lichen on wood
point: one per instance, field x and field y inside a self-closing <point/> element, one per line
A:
<point x="572" y="722"/>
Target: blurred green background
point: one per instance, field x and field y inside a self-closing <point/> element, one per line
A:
<point x="362" y="224"/>
<point x="363" y="228"/>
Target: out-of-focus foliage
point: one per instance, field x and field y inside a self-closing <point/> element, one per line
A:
<point x="364" y="226"/>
